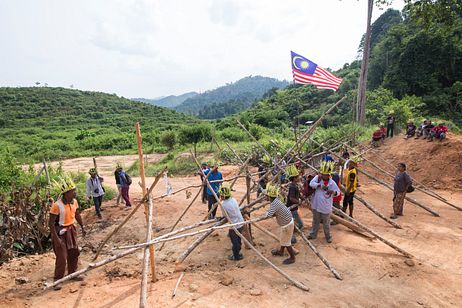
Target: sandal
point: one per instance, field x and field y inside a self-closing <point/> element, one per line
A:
<point x="276" y="252"/>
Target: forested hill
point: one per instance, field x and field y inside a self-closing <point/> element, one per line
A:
<point x="229" y="99"/>
<point x="170" y="101"/>
<point x="415" y="71"/>
<point x="43" y="122"/>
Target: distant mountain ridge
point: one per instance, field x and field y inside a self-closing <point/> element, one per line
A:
<point x="170" y="101"/>
<point x="229" y="99"/>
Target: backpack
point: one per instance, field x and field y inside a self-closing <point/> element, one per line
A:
<point x="128" y="178"/>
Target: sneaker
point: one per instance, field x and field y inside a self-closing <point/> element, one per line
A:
<point x="329" y="240"/>
<point x="99" y="216"/>
<point x="232" y="258"/>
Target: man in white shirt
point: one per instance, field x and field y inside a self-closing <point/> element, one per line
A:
<point x="231" y="207"/>
<point x="95" y="190"/>
<point x="322" y="200"/>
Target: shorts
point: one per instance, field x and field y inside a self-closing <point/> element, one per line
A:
<point x="286" y="234"/>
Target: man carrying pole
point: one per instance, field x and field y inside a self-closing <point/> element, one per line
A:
<point x="95" y="190"/>
<point x="322" y="201"/>
<point x="234" y="213"/>
<point x="284" y="220"/>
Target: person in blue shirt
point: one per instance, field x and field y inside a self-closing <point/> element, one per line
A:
<point x="215" y="179"/>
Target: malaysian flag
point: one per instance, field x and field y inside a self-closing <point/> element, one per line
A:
<point x="307" y="72"/>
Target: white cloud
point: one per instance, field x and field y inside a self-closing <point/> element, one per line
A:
<point x="154" y="47"/>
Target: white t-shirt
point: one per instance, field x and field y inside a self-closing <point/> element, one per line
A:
<point x="232" y="208"/>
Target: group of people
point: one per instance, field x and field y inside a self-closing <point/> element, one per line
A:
<point x="95" y="190"/>
<point x="426" y="130"/>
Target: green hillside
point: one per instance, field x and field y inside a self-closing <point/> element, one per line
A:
<point x="42" y="122"/>
<point x="229" y="99"/>
<point x="170" y="101"/>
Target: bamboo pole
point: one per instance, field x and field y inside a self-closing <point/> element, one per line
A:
<point x="317" y="253"/>
<point x="183" y="213"/>
<point x="267" y="232"/>
<point x="177" y="284"/>
<point x="277" y="269"/>
<point x="45" y="168"/>
<point x="364" y="227"/>
<point x="145" y="197"/>
<point x="413" y="201"/>
<point x="152" y="257"/>
<point x="37" y="177"/>
<point x="416" y="186"/>
<point x="350" y="226"/>
<point x="146" y="259"/>
<point x="376" y="212"/>
<point x="241" y="168"/>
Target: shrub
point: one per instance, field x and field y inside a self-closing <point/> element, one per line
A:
<point x="168" y="139"/>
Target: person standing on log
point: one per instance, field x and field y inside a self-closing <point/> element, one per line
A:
<point x="95" y="190"/>
<point x="63" y="214"/>
<point x="390" y="124"/>
<point x="351" y="184"/>
<point x="231" y="207"/>
<point x="119" y="186"/>
<point x="293" y="197"/>
<point x="215" y="178"/>
<point x="284" y="220"/>
<point x="322" y="201"/>
<point x="400" y="187"/>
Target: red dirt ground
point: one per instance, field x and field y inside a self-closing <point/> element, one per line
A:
<point x="374" y="274"/>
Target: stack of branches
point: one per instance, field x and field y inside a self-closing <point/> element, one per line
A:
<point x="23" y="223"/>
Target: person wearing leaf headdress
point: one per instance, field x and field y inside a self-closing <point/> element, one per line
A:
<point x="63" y="214"/>
<point x="321" y="203"/>
<point x="351" y="184"/>
<point x="284" y="220"/>
<point x="293" y="196"/>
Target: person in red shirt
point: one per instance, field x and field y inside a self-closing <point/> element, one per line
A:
<point x="377" y="136"/>
<point x="439" y="132"/>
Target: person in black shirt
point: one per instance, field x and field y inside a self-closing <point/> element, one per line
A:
<point x="293" y="197"/>
<point x="390" y="125"/>
<point x="119" y="186"/>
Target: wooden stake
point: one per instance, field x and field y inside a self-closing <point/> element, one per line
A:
<point x="146" y="258"/>
<point x="143" y="186"/>
<point x="317" y="253"/>
<point x="177" y="284"/>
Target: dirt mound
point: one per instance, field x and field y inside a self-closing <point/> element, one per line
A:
<point x="436" y="164"/>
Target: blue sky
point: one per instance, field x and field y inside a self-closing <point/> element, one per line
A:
<point x="151" y="48"/>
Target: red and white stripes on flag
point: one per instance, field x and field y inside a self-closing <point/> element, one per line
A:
<point x="321" y="78"/>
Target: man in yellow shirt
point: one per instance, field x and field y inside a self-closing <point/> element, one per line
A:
<point x="63" y="214"/>
<point x="351" y="183"/>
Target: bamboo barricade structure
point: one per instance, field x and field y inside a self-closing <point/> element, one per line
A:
<point x="145" y="197"/>
<point x="365" y="228"/>
<point x="146" y="207"/>
<point x="241" y="168"/>
<point x="413" y="201"/>
<point x="416" y="186"/>
<point x="364" y="202"/>
<point x="317" y="253"/>
<point x="243" y="164"/>
<point x="277" y="269"/>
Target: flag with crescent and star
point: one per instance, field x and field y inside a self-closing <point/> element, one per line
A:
<point x="308" y="72"/>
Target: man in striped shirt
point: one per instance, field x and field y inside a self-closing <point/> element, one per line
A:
<point x="284" y="220"/>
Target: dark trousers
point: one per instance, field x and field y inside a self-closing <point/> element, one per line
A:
<point x="204" y="194"/>
<point x="98" y="201"/>
<point x="236" y="242"/>
<point x="390" y="128"/>
<point x="210" y="202"/>
<point x="348" y="201"/>
<point x="125" y="195"/>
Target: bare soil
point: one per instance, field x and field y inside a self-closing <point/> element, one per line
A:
<point x="374" y="275"/>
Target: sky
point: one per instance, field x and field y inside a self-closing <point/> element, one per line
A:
<point x="152" y="48"/>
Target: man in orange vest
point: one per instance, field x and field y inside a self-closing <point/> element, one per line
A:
<point x="63" y="214"/>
